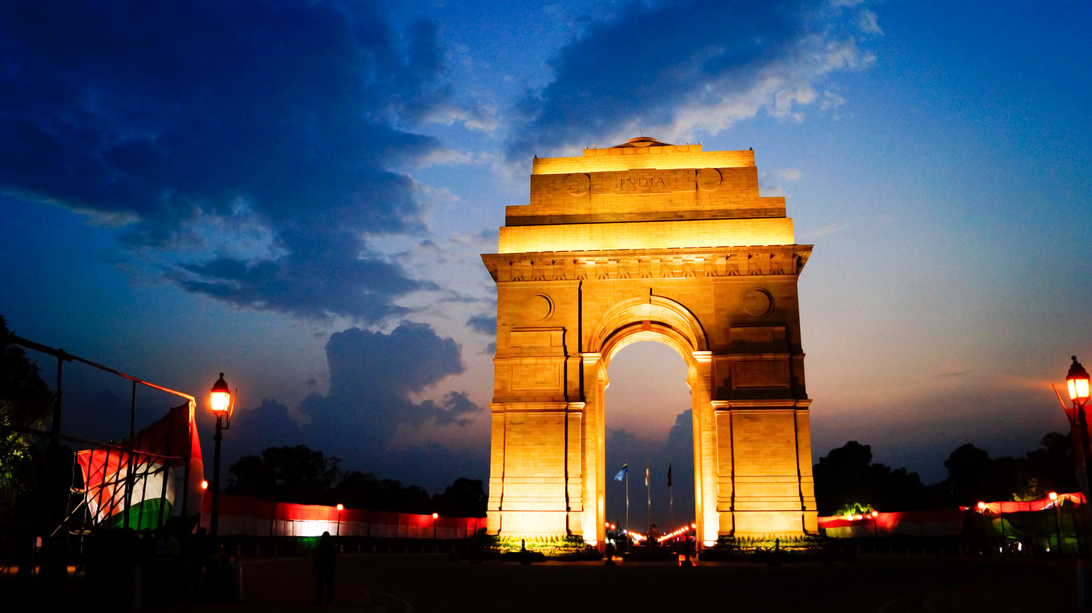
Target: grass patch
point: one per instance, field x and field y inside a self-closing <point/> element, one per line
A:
<point x="768" y="548"/>
<point x="549" y="547"/>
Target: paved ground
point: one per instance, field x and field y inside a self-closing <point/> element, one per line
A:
<point x="427" y="584"/>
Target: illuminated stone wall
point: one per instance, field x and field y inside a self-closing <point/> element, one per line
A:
<point x="647" y="241"/>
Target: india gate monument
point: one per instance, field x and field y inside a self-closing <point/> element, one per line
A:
<point x="638" y="242"/>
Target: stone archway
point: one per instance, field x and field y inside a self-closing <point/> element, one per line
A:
<point x="649" y="318"/>
<point x="647" y="241"/>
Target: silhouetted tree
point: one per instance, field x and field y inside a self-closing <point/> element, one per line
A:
<point x="968" y="468"/>
<point x="25" y="403"/>
<point x="358" y="490"/>
<point x="896" y="489"/>
<point x="1052" y="464"/>
<point x="840" y="477"/>
<point x="294" y="474"/>
<point x="249" y="475"/>
<point x="300" y="474"/>
<point x="365" y="491"/>
<point x="463" y="498"/>
<point x="974" y="476"/>
<point x="846" y="476"/>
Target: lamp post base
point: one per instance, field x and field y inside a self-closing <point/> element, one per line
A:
<point x="1084" y="585"/>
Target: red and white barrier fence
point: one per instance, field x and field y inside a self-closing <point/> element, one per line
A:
<point x="245" y="515"/>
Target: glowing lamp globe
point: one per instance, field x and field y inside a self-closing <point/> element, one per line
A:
<point x="1053" y="495"/>
<point x="435" y="515"/>
<point x="340" y="507"/>
<point x="1077" y="382"/>
<point x="221" y="396"/>
<point x="981" y="506"/>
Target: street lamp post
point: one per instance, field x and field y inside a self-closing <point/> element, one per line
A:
<point x="982" y="510"/>
<point x="340" y="508"/>
<point x="1077" y="385"/>
<point x="222" y="405"/>
<point x="435" y="516"/>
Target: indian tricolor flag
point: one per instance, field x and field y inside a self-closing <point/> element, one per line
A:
<point x="161" y="455"/>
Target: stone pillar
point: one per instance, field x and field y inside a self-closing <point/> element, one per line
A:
<point x="593" y="377"/>
<point x="532" y="463"/>
<point x="496" y="469"/>
<point x="705" y="446"/>
<point x="773" y="492"/>
<point x="809" y="512"/>
<point x="575" y="477"/>
<point x="726" y="469"/>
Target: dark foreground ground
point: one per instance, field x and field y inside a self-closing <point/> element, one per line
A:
<point x="429" y="584"/>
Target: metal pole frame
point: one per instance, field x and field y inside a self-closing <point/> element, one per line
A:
<point x="63" y="356"/>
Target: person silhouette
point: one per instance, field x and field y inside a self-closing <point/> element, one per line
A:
<point x="325" y="559"/>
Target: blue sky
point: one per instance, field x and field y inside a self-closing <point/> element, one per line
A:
<point x="282" y="191"/>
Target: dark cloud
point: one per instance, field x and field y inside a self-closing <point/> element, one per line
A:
<point x="194" y="123"/>
<point x="676" y="66"/>
<point x="372" y="378"/>
<point x="267" y="425"/>
<point x="679" y="450"/>
<point x="674" y="506"/>
<point x="309" y="284"/>
<point x="483" y="324"/>
<point x="104" y="416"/>
<point x="433" y="466"/>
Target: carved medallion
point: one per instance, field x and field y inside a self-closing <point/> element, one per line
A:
<point x="757" y="302"/>
<point x="708" y="179"/>
<point x="538" y="308"/>
<point x="577" y="184"/>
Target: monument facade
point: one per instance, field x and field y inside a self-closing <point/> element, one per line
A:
<point x="649" y="241"/>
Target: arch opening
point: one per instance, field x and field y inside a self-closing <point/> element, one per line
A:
<point x="652" y="318"/>
<point x="647" y="415"/>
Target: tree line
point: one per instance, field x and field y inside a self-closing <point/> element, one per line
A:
<point x="26" y="404"/>
<point x="847" y="477"/>
<point x="289" y="474"/>
<point x="303" y="475"/>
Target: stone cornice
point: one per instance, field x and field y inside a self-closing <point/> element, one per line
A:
<point x="776" y="260"/>
<point x="799" y="404"/>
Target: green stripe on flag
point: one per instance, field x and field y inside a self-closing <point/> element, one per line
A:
<point x="142" y="516"/>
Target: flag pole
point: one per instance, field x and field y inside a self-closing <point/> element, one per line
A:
<point x="670" y="499"/>
<point x="648" y="490"/>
